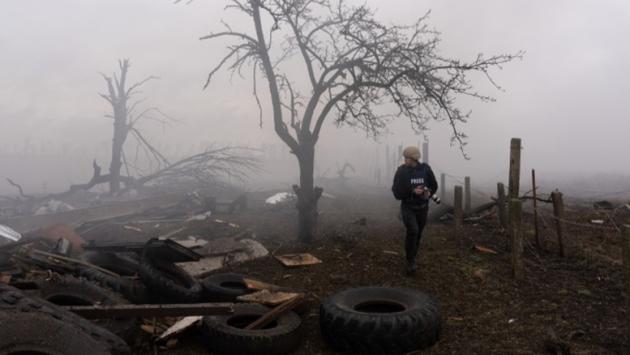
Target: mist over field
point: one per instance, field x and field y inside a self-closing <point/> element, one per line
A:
<point x="565" y="98"/>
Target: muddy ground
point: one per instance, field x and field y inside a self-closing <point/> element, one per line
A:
<point x="578" y="300"/>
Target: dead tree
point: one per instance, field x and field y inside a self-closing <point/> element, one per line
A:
<point x="120" y="96"/>
<point x="353" y="64"/>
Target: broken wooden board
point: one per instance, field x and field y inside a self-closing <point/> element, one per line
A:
<point x="191" y="242"/>
<point x="295" y="260"/>
<point x="251" y="250"/>
<point x="259" y="285"/>
<point x="180" y="326"/>
<point x="222" y="246"/>
<point x="276" y="312"/>
<point x="268" y="298"/>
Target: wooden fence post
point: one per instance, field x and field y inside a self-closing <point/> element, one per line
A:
<point x="443" y="185"/>
<point x="459" y="214"/>
<point x="467" y="198"/>
<point x="626" y="273"/>
<point x="425" y="152"/>
<point x="566" y="245"/>
<point x="515" y="168"/>
<point x="501" y="205"/>
<point x="536" y="231"/>
<point x="516" y="233"/>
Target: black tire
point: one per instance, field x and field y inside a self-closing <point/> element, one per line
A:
<point x="379" y="320"/>
<point x="225" y="334"/>
<point x="119" y="263"/>
<point x="169" y="282"/>
<point x="32" y="324"/>
<point x="224" y="287"/>
<point x="133" y="290"/>
<point x="72" y="291"/>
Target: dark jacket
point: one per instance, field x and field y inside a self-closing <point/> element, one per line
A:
<point x="407" y="178"/>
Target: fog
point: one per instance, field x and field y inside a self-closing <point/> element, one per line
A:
<point x="566" y="99"/>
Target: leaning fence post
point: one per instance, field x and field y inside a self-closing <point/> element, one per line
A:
<point x="459" y="213"/>
<point x="501" y="205"/>
<point x="516" y="233"/>
<point x="626" y="272"/>
<point x="558" y="212"/>
<point x="467" y="202"/>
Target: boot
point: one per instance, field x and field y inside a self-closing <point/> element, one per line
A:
<point x="411" y="268"/>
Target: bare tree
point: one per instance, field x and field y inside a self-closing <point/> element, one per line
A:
<point x="120" y="96"/>
<point x="356" y="68"/>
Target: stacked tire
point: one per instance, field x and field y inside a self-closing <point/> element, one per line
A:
<point x="35" y="326"/>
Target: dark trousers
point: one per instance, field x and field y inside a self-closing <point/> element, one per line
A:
<point x="414" y="219"/>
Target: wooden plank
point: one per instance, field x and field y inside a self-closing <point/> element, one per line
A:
<point x="269" y="298"/>
<point x="260" y="285"/>
<point x="276" y="312"/>
<point x="295" y="260"/>
<point x="151" y="310"/>
<point x="180" y="326"/>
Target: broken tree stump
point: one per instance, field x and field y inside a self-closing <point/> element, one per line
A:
<point x="564" y="241"/>
<point x="516" y="233"/>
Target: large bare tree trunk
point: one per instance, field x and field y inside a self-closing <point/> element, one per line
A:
<point x="308" y="195"/>
<point x="116" y="163"/>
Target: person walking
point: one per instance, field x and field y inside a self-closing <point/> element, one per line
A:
<point x="414" y="184"/>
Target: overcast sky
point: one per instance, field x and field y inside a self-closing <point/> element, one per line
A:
<point x="567" y="98"/>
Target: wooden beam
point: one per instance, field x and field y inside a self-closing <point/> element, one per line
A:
<point x="276" y="312"/>
<point x="151" y="310"/>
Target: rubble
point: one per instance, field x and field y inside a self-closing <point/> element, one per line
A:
<point x="53" y="206"/>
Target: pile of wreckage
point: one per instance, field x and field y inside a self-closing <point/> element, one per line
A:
<point x="64" y="293"/>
